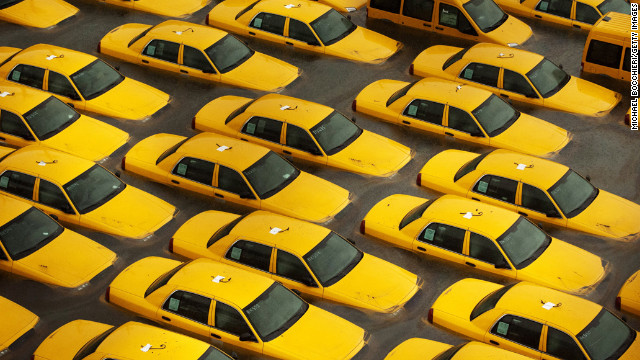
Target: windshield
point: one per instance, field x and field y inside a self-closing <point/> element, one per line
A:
<point x="50" y="117"/>
<point x="620" y="6"/>
<point x="414" y="214"/>
<point x="486" y="14"/>
<point x="335" y="133"/>
<point x="489" y="302"/>
<point x="228" y="53"/>
<point x="93" y="188"/>
<point x="332" y="259"/>
<point x="332" y="26"/>
<point x="214" y="354"/>
<point x="275" y="311"/>
<point x="28" y="232"/>
<point x="270" y="174"/>
<point x="523" y="242"/>
<point x="6" y="3"/>
<point x="606" y="337"/>
<point x="573" y="193"/>
<point x="548" y="78"/>
<point x="495" y="115"/>
<point x="96" y="79"/>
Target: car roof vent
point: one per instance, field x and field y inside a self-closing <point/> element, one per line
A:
<point x="220" y="279"/>
<point x="549" y="305"/>
<point x="6" y="93"/>
<point x="45" y="163"/>
<point x="51" y="57"/>
<point x="287" y="107"/>
<point x="276" y="230"/>
<point x="521" y="166"/>
<point x="183" y="31"/>
<point x="469" y="214"/>
<point x="505" y="56"/>
<point x="222" y="148"/>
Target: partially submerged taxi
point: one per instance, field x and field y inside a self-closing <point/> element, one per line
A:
<point x="36" y="13"/>
<point x="16" y="322"/>
<point x="171" y="8"/>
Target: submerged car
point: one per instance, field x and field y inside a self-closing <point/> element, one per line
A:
<point x="304" y="130"/>
<point x="36" y="13"/>
<point x="628" y="298"/>
<point x="16" y="322"/>
<point x="172" y="8"/>
<point x="423" y="349"/>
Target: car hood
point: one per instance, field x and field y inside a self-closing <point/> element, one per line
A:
<point x="70" y="269"/>
<point x="15" y="321"/>
<point x="170" y="8"/>
<point x="583" y="97"/>
<point x="533" y="136"/>
<point x="430" y="61"/>
<point x="565" y="267"/>
<point x="372" y="154"/>
<point x="309" y="198"/>
<point x="262" y="72"/>
<point x="38" y="13"/>
<point x="512" y="31"/>
<point x="364" y="45"/>
<point x="314" y="336"/>
<point x="130" y="99"/>
<point x="610" y="216"/>
<point x="132" y="213"/>
<point x="375" y="285"/>
<point x="88" y="138"/>
<point x="74" y="335"/>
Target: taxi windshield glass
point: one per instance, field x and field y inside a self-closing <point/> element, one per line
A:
<point x="335" y="133"/>
<point x="270" y="174"/>
<point x="228" y="53"/>
<point x="50" y="117"/>
<point x="332" y="27"/>
<point x="486" y="14"/>
<point x="6" y="3"/>
<point x="573" y="193"/>
<point x="548" y="78"/>
<point x="214" y="354"/>
<point x="495" y="115"/>
<point x="619" y="6"/>
<point x="332" y="259"/>
<point x="93" y="188"/>
<point x="275" y="311"/>
<point x="28" y="232"/>
<point x="96" y="79"/>
<point x="523" y="242"/>
<point x="606" y="337"/>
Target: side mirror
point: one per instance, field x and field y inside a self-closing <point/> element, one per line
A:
<point x="118" y="68"/>
<point x="588" y="178"/>
<point x="561" y="67"/>
<point x="348" y="17"/>
<point x="351" y="241"/>
<point x="54" y="217"/>
<point x="247" y="337"/>
<point x="353" y="119"/>
<point x="502" y="264"/>
<point x="117" y="173"/>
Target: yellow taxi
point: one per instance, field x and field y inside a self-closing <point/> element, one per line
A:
<point x="483" y="237"/>
<point x="628" y="298"/>
<point x="303" y="24"/>
<point x="305" y="130"/>
<point x="423" y="349"/>
<point x="235" y="306"/>
<point x="534" y="321"/>
<point x="236" y="171"/>
<point x="198" y="51"/>
<point x="16" y="322"/>
<point x="81" y="80"/>
<point x="35" y="246"/>
<point x="302" y="256"/>
<point x="517" y="75"/>
<point x="36" y="13"/>
<point x="29" y="116"/>
<point x="80" y="192"/>
<point x="170" y="8"/>
<point x="89" y="340"/>
<point x="460" y="111"/>
<point x="581" y="14"/>
<point x="538" y="188"/>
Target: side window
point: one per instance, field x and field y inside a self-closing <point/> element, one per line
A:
<point x="428" y="111"/>
<point x="250" y="254"/>
<point x="192" y="306"/>
<point x="512" y="81"/>
<point x="556" y="7"/>
<point x="605" y="54"/>
<point x="461" y="120"/>
<point x="444" y="236"/>
<point x="452" y="17"/>
<point x="586" y="14"/>
<point x="28" y="75"/>
<point x="194" y="58"/>
<point x="18" y="184"/>
<point x="163" y="50"/>
<point x="12" y="124"/>
<point x="299" y="139"/>
<point x="263" y="128"/>
<point x="195" y="169"/>
<point x="291" y="267"/>
<point x="3" y="255"/>
<point x="519" y="330"/>
<point x="535" y="199"/>
<point x="229" y="320"/>
<point x="497" y="187"/>
<point x="51" y="195"/>
<point x="59" y="84"/>
<point x="300" y="31"/>
<point x="562" y="345"/>
<point x="392" y="6"/>
<point x="484" y="249"/>
<point x="230" y="180"/>
<point x="269" y="22"/>
<point x="481" y="73"/>
<point x="418" y="9"/>
<point x="626" y="64"/>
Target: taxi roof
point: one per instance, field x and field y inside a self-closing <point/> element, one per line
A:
<point x="240" y="154"/>
<point x="303" y="10"/>
<point x="502" y="56"/>
<point x="542" y="173"/>
<point x="241" y="288"/>
<point x="300" y="112"/>
<point x="614" y="24"/>
<point x="66" y="61"/>
<point x="465" y="97"/>
<point x="11" y="208"/>
<point x="20" y="98"/>
<point x="58" y="166"/>
<point x="572" y="313"/>
<point x="198" y="36"/>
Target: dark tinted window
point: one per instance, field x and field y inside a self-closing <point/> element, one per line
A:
<point x="228" y="53"/>
<point x="519" y="330"/>
<point x="229" y="320"/>
<point x="332" y="259"/>
<point x="481" y="73"/>
<point x="444" y="236"/>
<point x="27" y="233"/>
<point x="332" y="26"/>
<point x="12" y="124"/>
<point x="263" y="128"/>
<point x="425" y="110"/>
<point x="291" y="267"/>
<point x="269" y="22"/>
<point x="96" y="79"/>
<point x="414" y="214"/>
<point x="251" y="254"/>
<point x="452" y="17"/>
<point x="400" y="93"/>
<point x="51" y="195"/>
<point x="562" y="345"/>
<point x="299" y="139"/>
<point x="512" y="81"/>
<point x="454" y="58"/>
<point x="418" y="9"/>
<point x="93" y="188"/>
<point x="59" y="84"/>
<point x="270" y="174"/>
<point x="620" y="6"/>
<point x="18" y="184"/>
<point x="605" y="54"/>
<point x="556" y="7"/>
<point x="469" y="167"/>
<point x="300" y="31"/>
<point x="50" y="117"/>
<point x="28" y="75"/>
<point x="606" y="337"/>
<point x="535" y="199"/>
<point x="192" y="306"/>
<point x="195" y="169"/>
<point x="586" y="13"/>
<point x="335" y="133"/>
<point x="232" y="181"/>
<point x="163" y="279"/>
<point x="225" y="230"/>
<point x="386" y="5"/>
<point x="626" y="64"/>
<point x="484" y="249"/>
<point x="498" y="188"/>
<point x="194" y="58"/>
<point x="489" y="302"/>
<point x="163" y="50"/>
<point x="461" y="120"/>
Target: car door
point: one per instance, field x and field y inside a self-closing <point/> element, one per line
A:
<point x="517" y="87"/>
<point x="187" y="311"/>
<point x="585" y="16"/>
<point x="161" y="54"/>
<point x="195" y="63"/>
<point x="554" y="11"/>
<point x="268" y="26"/>
<point x="495" y="190"/>
<point x="291" y="271"/>
<point x="264" y="131"/>
<point x="424" y="115"/>
<point x="193" y="174"/>
<point x="250" y="255"/>
<point x="28" y="75"/>
<point x="300" y="35"/>
<point x="14" y="130"/>
<point x="536" y="204"/>
<point x="231" y="186"/>
<point x="461" y="125"/>
<point x="482" y="253"/>
<point x="63" y="89"/>
<point x="52" y="200"/>
<point x="559" y="345"/>
<point x="299" y="144"/>
<point x="229" y="325"/>
<point x="516" y="333"/>
<point x="18" y="185"/>
<point x="441" y="240"/>
<point x="418" y="14"/>
<point x="453" y="22"/>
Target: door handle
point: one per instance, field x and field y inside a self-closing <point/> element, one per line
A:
<point x="166" y="318"/>
<point x="494" y="342"/>
<point x="184" y="71"/>
<point x="219" y="195"/>
<point x="286" y="152"/>
<point x="3" y="139"/>
<point x="476" y="199"/>
<point x="538" y="16"/>
<point x="251" y="33"/>
<point x="523" y="214"/>
<point x="504" y="95"/>
<point x="470" y="264"/>
<point x="145" y="61"/>
<point x="448" y="133"/>
<point x="421" y="248"/>
<point x="216" y="336"/>
<point x="406" y="122"/>
<point x="439" y="28"/>
<point x="288" y="43"/>
<point x="175" y="181"/>
<point x="577" y="26"/>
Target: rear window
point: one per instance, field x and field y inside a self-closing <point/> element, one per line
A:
<point x="225" y="230"/>
<point x="469" y="167"/>
<point x="170" y="151"/>
<point x="164" y="279"/>
<point x="489" y="302"/>
<point x="140" y="36"/>
<point x="238" y="111"/>
<point x="246" y="9"/>
<point x="90" y="347"/>
<point x="449" y="353"/>
<point x="605" y="54"/>
<point x="392" y="6"/>
<point x="455" y="58"/>
<point x="414" y="214"/>
<point x="400" y="93"/>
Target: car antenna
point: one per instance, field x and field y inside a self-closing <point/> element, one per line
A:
<point x="148" y="347"/>
<point x="6" y="93"/>
<point x="505" y="56"/>
<point x="277" y="230"/>
<point x="549" y="305"/>
<point x="51" y="57"/>
<point x="43" y="163"/>
<point x="469" y="214"/>
<point x="287" y="107"/>
<point x="459" y="87"/>
<point x="523" y="166"/>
